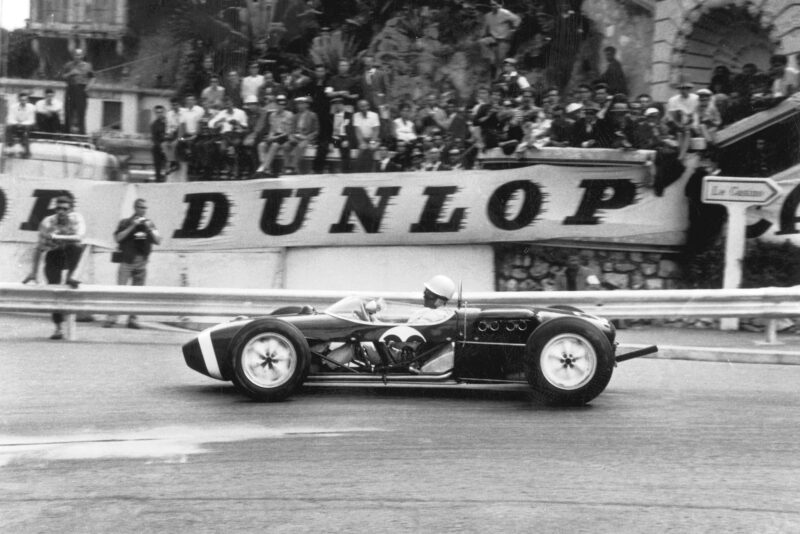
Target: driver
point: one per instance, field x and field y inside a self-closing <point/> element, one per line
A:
<point x="438" y="291"/>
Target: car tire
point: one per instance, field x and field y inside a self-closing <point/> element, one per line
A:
<point x="270" y="360"/>
<point x="568" y="362"/>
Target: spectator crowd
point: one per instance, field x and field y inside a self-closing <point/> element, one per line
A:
<point x="263" y="125"/>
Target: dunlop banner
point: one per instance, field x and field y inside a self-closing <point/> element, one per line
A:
<point x="538" y="203"/>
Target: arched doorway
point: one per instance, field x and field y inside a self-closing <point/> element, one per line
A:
<point x="730" y="36"/>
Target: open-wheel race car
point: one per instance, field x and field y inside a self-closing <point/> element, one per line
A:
<point x="565" y="355"/>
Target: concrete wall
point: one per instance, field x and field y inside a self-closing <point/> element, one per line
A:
<point x="335" y="268"/>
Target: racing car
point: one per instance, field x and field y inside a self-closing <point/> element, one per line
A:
<point x="567" y="356"/>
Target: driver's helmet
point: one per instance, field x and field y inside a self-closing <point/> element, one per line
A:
<point x="441" y="286"/>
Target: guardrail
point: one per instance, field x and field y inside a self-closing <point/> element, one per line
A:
<point x="768" y="303"/>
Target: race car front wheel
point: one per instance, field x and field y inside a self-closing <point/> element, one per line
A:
<point x="270" y="358"/>
<point x="568" y="362"/>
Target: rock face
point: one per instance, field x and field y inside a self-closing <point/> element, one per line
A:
<point x="535" y="268"/>
<point x="419" y="62"/>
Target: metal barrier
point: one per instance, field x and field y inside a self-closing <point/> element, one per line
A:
<point x="767" y="303"/>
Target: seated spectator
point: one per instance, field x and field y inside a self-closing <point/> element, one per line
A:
<point x="48" y="113"/>
<point x="585" y="94"/>
<point x="385" y="161"/>
<point x="510" y="80"/>
<point x="280" y="128"/>
<point x="551" y="98"/>
<point x="587" y="133"/>
<point x="232" y="124"/>
<point x="487" y="120"/>
<point x="653" y="134"/>
<point x="784" y="77"/>
<point x="510" y="128"/>
<point x="560" y="127"/>
<point x="252" y="83"/>
<point x="366" y="125"/>
<point x="305" y="129"/>
<point x="455" y="124"/>
<point x="680" y="112"/>
<point x="618" y="128"/>
<point x="405" y="128"/>
<point x="706" y="119"/>
<point x="20" y="122"/>
<point x="430" y="114"/>
<point x="213" y="95"/>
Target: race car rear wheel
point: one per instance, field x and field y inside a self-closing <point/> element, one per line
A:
<point x="270" y="359"/>
<point x="568" y="362"/>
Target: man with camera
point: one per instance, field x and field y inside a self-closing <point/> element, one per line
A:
<point x="135" y="236"/>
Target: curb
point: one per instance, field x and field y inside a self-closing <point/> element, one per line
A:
<point x="720" y="355"/>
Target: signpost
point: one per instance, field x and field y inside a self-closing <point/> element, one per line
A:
<point x="737" y="194"/>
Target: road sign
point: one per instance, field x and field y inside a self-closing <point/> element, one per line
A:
<point x="731" y="190"/>
<point x="737" y="194"/>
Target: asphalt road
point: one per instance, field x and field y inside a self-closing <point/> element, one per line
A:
<point x="113" y="433"/>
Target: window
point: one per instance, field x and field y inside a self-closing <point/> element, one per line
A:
<point x="112" y="114"/>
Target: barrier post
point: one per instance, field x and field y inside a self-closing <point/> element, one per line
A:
<point x="736" y="194"/>
<point x="71" y="334"/>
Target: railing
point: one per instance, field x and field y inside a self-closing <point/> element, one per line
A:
<point x="767" y="303"/>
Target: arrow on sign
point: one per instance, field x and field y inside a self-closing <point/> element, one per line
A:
<point x="732" y="190"/>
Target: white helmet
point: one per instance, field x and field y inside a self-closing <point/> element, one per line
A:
<point x="441" y="286"/>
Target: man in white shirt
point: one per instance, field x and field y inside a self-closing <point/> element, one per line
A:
<point x="499" y="26"/>
<point x="404" y="125"/>
<point x="48" y="113"/>
<point x="367" y="127"/>
<point x="680" y="112"/>
<point x="252" y="83"/>
<point x="229" y="119"/>
<point x="190" y="117"/>
<point x="20" y="122"/>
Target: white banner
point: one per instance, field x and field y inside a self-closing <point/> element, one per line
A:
<point x="538" y="203"/>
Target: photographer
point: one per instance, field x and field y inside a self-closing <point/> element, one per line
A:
<point x="135" y="235"/>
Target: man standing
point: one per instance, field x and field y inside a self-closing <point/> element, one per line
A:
<point x="366" y="124"/>
<point x="48" y="113"/>
<point x="60" y="237"/>
<point x="305" y="129"/>
<point x="20" y="122"/>
<point x="158" y="134"/>
<point x="78" y="75"/>
<point x="613" y="75"/>
<point x="136" y="236"/>
<point x="499" y="27"/>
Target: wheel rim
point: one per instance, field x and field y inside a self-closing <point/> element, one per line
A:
<point x="269" y="360"/>
<point x="568" y="361"/>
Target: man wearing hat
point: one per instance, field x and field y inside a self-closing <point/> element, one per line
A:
<point x="305" y="129"/>
<point x="21" y="120"/>
<point x="586" y="132"/>
<point x="680" y="113"/>
<point x="512" y="80"/>
<point x="280" y="127"/>
<point x="706" y="119"/>
<point x="617" y="130"/>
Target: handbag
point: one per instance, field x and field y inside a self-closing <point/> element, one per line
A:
<point x="116" y="256"/>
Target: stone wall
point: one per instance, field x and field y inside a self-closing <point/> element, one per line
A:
<point x="528" y="267"/>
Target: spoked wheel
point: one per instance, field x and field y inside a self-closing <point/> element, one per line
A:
<point x="270" y="359"/>
<point x="568" y="362"/>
